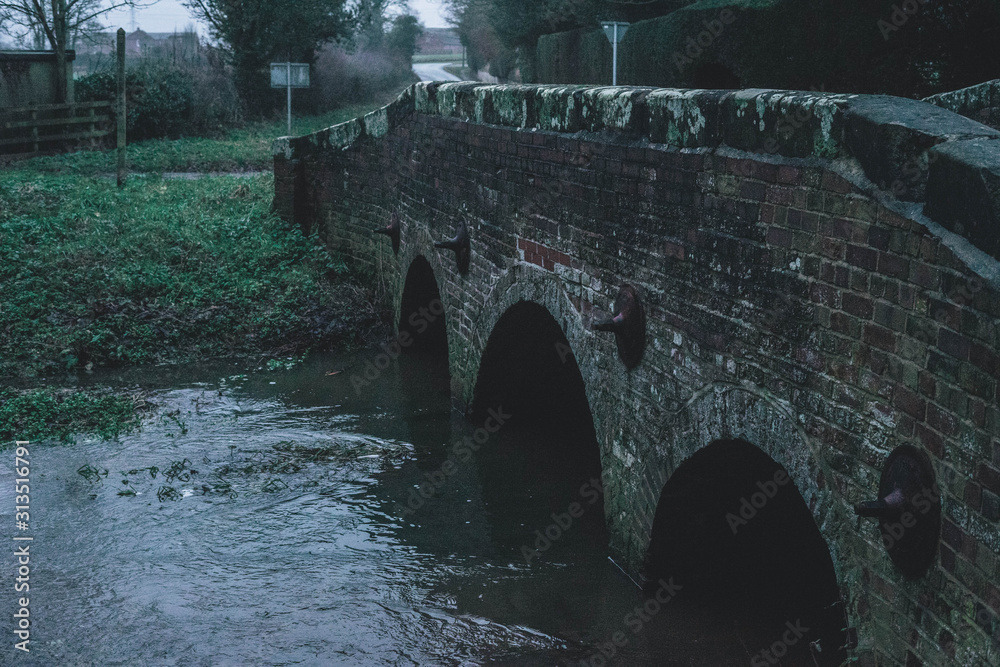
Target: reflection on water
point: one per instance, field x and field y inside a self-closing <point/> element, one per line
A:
<point x="291" y="541"/>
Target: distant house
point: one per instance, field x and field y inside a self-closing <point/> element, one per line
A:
<point x="178" y="45"/>
<point x="140" y="43"/>
<point x="438" y="41"/>
<point x="136" y="41"/>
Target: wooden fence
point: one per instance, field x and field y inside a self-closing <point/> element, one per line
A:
<point x="30" y="130"/>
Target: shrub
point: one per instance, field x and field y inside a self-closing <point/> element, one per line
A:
<point x="165" y="99"/>
<point x="341" y="77"/>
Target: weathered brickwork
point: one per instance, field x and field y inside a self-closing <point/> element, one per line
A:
<point x="791" y="300"/>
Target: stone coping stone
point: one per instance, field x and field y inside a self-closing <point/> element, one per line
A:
<point x="890" y="137"/>
<point x="963" y="191"/>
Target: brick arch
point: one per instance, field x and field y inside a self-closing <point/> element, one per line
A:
<point x="523" y="283"/>
<point x="418" y="242"/>
<point x="724" y="411"/>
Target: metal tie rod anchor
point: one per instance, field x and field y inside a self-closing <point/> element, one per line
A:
<point x="629" y="326"/>
<point x="908" y="510"/>
<point x="892" y="505"/>
<point x="392" y="231"/>
<point x="461" y="245"/>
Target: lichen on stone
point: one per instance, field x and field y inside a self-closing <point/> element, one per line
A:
<point x="377" y="123"/>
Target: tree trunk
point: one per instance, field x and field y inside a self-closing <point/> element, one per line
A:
<point x="59" y="29"/>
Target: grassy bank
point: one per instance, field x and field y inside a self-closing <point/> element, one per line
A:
<point x="160" y="271"/>
<point x="437" y="58"/>
<point x="47" y="413"/>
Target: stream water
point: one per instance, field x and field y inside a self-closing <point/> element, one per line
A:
<point x="284" y="526"/>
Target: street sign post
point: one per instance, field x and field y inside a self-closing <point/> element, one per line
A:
<point x="615" y="30"/>
<point x="289" y="75"/>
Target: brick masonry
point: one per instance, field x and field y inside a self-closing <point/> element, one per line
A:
<point x="797" y="297"/>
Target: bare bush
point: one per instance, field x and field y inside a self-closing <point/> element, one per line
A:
<point x="342" y="77"/>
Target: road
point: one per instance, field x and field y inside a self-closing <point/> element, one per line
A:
<point x="434" y="72"/>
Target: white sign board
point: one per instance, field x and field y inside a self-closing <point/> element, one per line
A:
<point x="615" y="30"/>
<point x="299" y="75"/>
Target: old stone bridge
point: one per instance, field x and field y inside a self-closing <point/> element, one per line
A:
<point x="813" y="277"/>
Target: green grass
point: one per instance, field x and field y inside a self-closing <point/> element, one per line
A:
<point x="160" y="271"/>
<point x="243" y="149"/>
<point x="437" y="58"/>
<point x="43" y="413"/>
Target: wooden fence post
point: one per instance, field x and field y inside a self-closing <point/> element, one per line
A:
<point x="120" y="122"/>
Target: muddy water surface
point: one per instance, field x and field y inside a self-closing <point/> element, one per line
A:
<point x="279" y="529"/>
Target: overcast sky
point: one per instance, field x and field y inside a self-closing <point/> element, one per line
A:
<point x="170" y="15"/>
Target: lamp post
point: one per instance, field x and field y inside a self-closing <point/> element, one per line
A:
<point x="615" y="31"/>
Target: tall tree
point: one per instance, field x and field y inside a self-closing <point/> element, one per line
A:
<point x="255" y="32"/>
<point x="58" y="22"/>
<point x="401" y="40"/>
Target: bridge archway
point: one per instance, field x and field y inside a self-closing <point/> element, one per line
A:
<point x="733" y="531"/>
<point x="529" y="374"/>
<point x="422" y="327"/>
<point x="725" y="412"/>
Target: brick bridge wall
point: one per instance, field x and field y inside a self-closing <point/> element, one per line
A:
<point x="797" y="295"/>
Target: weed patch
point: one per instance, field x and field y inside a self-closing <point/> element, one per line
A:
<point x="46" y="413"/>
<point x="162" y="271"/>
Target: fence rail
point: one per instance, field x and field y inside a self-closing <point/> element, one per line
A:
<point x="26" y="131"/>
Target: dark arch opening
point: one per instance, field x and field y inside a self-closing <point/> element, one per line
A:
<point x="423" y="341"/>
<point x="713" y="76"/>
<point x="422" y="330"/>
<point x="732" y="529"/>
<point x="547" y="448"/>
<point x="529" y="367"/>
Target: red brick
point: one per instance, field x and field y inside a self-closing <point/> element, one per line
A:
<point x="893" y="265"/>
<point x="857" y="305"/>
<point x="989" y="477"/>
<point x="985" y="358"/>
<point x="909" y="402"/>
<point x="674" y="250"/>
<point x="789" y="175"/>
<point x="924" y="275"/>
<point x="927" y="384"/>
<point x="839" y="228"/>
<point x="825" y="294"/>
<point x="862" y="257"/>
<point x="941" y="420"/>
<point x="953" y="344"/>
<point x="779" y="236"/>
<point x="880" y="337"/>
<point x="993" y="596"/>
<point x="779" y="195"/>
<point x="947" y="558"/>
<point x="835" y="183"/>
<point x="951" y="534"/>
<point x="931" y="440"/>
